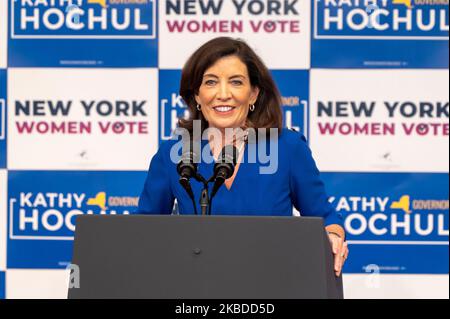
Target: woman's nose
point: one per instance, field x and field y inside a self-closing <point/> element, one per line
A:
<point x="224" y="92"/>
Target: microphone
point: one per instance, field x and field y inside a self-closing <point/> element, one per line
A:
<point x="224" y="167"/>
<point x="187" y="168"/>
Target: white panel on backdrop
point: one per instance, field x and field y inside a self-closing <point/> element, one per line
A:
<point x="37" y="284"/>
<point x="278" y="30"/>
<point x="3" y="209"/>
<point x="3" y="33"/>
<point x="375" y="286"/>
<point x="82" y="118"/>
<point x="380" y="120"/>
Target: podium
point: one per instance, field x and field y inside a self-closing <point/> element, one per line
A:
<point x="203" y="257"/>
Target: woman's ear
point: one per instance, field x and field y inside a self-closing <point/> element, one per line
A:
<point x="254" y="95"/>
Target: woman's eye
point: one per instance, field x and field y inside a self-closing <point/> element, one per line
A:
<point x="210" y="82"/>
<point x="237" y="82"/>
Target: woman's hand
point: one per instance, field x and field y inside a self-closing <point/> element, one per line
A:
<point x="340" y="252"/>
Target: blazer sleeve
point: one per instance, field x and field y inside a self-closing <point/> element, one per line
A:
<point x="157" y="196"/>
<point x="307" y="189"/>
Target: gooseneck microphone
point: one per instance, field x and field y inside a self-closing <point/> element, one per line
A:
<point x="224" y="168"/>
<point x="187" y="168"/>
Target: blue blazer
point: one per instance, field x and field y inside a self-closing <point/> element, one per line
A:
<point x="296" y="182"/>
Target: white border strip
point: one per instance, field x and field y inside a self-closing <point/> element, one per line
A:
<point x="162" y="118"/>
<point x="12" y="236"/>
<point x="3" y="123"/>
<point x="131" y="37"/>
<point x="399" y="242"/>
<point x="355" y="37"/>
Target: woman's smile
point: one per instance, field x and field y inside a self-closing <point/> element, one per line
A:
<point x="224" y="110"/>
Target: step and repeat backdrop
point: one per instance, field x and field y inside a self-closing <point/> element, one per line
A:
<point x="89" y="88"/>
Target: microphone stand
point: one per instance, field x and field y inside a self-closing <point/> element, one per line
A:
<point x="204" y="201"/>
<point x="204" y="198"/>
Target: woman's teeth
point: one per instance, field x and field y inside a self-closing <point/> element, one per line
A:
<point x="223" y="108"/>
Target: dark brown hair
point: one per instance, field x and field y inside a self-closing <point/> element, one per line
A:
<point x="267" y="113"/>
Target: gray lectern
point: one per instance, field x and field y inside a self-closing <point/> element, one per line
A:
<point x="203" y="257"/>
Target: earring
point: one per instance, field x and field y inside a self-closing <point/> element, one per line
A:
<point x="199" y="108"/>
<point x="252" y="107"/>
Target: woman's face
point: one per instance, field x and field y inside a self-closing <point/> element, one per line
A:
<point x="226" y="94"/>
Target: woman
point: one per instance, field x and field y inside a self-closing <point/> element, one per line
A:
<point x="226" y="85"/>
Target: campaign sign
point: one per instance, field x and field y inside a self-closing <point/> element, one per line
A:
<point x="380" y="120"/>
<point x="278" y="30"/>
<point x="90" y="119"/>
<point x="3" y="118"/>
<point x="380" y="33"/>
<point x="43" y="205"/>
<point x="395" y="222"/>
<point x="294" y="89"/>
<point x="82" y="33"/>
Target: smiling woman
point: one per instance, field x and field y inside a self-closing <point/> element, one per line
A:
<point x="225" y="84"/>
<point x="227" y="88"/>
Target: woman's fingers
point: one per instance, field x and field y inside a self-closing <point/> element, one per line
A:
<point x="344" y="255"/>
<point x="338" y="257"/>
<point x="346" y="251"/>
<point x="340" y="252"/>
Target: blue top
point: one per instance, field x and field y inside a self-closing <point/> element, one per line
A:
<point x="296" y="182"/>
